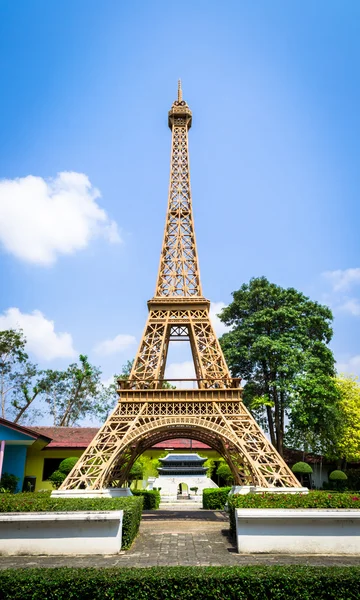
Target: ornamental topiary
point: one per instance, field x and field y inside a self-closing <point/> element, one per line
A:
<point x="301" y="468"/>
<point x="337" y="475"/>
<point x="67" y="464"/>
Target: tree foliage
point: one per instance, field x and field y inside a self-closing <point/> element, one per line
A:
<point x="347" y="440"/>
<point x="278" y="344"/>
<point x="71" y="394"/>
<point x="21" y="382"/>
<point x="225" y="472"/>
<point x="77" y="392"/>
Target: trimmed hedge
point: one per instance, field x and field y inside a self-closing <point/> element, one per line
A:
<point x="42" y="502"/>
<point x="193" y="583"/>
<point x="151" y="498"/>
<point x="310" y="500"/>
<point x="215" y="498"/>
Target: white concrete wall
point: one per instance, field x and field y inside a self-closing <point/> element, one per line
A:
<point x="103" y="493"/>
<point x="62" y="533"/>
<point x="254" y="489"/>
<point x="298" y="531"/>
<point x="169" y="485"/>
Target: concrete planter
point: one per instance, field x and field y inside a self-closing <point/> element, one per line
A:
<point x="103" y="493"/>
<point x="61" y="533"/>
<point x="254" y="489"/>
<point x="297" y="531"/>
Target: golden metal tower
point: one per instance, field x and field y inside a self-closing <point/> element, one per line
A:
<point x="147" y="412"/>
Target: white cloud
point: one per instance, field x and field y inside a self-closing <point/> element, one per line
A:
<point x="118" y="344"/>
<point x="42" y="339"/>
<point x="351" y="306"/>
<point x="343" y="279"/>
<point x="215" y="308"/>
<point x="181" y="370"/>
<point x="42" y="219"/>
<point x="351" y="366"/>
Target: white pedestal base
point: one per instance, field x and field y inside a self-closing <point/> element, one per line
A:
<point x="62" y="533"/>
<point x="104" y="493"/>
<point x="253" y="489"/>
<point x="297" y="531"/>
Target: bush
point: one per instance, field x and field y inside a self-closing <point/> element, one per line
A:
<point x="151" y="498"/>
<point x="42" y="502"/>
<point x="338" y="476"/>
<point x="194" y="583"/>
<point x="56" y="479"/>
<point x="136" y="472"/>
<point x="301" y="468"/>
<point x="58" y="476"/>
<point x="215" y="498"/>
<point x="9" y="483"/>
<point x="67" y="464"/>
<point x="310" y="500"/>
<point x="225" y="473"/>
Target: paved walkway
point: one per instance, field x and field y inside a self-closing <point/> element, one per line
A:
<point x="178" y="536"/>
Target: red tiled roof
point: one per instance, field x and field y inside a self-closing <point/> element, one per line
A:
<point x="68" y="437"/>
<point x="182" y="444"/>
<point x="80" y="437"/>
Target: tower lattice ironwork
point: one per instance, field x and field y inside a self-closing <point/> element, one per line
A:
<point x="147" y="412"/>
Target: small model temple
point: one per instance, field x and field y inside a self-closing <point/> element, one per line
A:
<point x="182" y="464"/>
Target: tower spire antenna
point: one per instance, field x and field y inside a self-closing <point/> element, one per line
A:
<point x="179" y="91"/>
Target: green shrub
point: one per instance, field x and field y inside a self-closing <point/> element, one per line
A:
<point x="301" y="468"/>
<point x="42" y="502"/>
<point x="56" y="479"/>
<point x="151" y="498"/>
<point x="310" y="500"/>
<point x="193" y="583"/>
<point x="67" y="464"/>
<point x="215" y="498"/>
<point x="338" y="476"/>
<point x="225" y="473"/>
<point x="9" y="482"/>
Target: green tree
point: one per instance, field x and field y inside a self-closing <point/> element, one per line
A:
<point x="347" y="440"/>
<point x="278" y="344"/>
<point x="13" y="358"/>
<point x="21" y="382"/>
<point x="76" y="393"/>
<point x="136" y="472"/>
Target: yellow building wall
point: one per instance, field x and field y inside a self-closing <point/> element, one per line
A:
<point x="35" y="463"/>
<point x="36" y="454"/>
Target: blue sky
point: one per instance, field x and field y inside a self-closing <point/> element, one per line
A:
<point x="274" y="147"/>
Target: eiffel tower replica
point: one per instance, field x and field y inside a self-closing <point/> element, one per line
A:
<point x="148" y="410"/>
